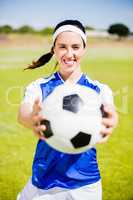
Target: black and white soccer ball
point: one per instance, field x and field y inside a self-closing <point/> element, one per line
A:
<point x="72" y="117"/>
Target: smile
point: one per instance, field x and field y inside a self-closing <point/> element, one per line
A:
<point x="69" y="62"/>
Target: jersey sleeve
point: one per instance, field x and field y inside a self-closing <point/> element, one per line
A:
<point x="32" y="92"/>
<point x="106" y="95"/>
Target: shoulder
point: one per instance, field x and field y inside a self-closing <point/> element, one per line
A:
<point x="40" y="81"/>
<point x="104" y="90"/>
<point x="101" y="86"/>
<point x="33" y="90"/>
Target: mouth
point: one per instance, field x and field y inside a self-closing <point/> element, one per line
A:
<point x="69" y="62"/>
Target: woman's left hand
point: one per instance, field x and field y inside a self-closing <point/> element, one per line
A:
<point x="109" y="122"/>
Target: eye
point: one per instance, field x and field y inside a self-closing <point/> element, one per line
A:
<point x="62" y="47"/>
<point x="76" y="47"/>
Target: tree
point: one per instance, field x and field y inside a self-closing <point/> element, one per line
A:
<point x="25" y="29"/>
<point x="119" y="29"/>
<point x="47" y="31"/>
<point x="6" y="29"/>
<point x="88" y="28"/>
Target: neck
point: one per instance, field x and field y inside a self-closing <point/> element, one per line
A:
<point x="71" y="77"/>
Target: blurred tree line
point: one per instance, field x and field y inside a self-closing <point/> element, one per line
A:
<point x="118" y="29"/>
<point x="25" y="29"/>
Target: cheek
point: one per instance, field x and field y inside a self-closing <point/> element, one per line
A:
<point x="58" y="54"/>
<point x="80" y="54"/>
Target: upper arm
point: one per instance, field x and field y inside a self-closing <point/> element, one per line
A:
<point x="32" y="92"/>
<point x="107" y="95"/>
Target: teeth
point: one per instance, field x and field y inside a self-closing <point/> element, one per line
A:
<point x="69" y="62"/>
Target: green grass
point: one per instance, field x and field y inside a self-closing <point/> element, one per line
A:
<point x="113" y="66"/>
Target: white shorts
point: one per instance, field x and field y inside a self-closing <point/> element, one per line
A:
<point x="88" y="192"/>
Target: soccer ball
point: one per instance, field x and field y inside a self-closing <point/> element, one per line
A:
<point x="72" y="118"/>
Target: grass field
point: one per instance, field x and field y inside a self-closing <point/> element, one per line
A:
<point x="112" y="65"/>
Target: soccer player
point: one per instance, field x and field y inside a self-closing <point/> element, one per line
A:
<point x="56" y="175"/>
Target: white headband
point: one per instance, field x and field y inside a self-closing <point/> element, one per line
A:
<point x="69" y="28"/>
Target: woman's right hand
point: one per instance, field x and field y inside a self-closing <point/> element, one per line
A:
<point x="35" y="119"/>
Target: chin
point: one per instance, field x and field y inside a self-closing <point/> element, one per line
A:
<point x="70" y="71"/>
<point x="70" y="68"/>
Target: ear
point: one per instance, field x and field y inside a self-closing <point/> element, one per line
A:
<point x="54" y="53"/>
<point x="53" y="47"/>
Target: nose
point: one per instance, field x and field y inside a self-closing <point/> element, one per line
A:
<point x="69" y="53"/>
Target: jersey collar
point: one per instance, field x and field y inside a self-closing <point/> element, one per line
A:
<point x="58" y="77"/>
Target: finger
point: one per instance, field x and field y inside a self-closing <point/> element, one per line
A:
<point x="37" y="119"/>
<point x="106" y="131"/>
<point x="38" y="131"/>
<point x="109" y="109"/>
<point x="39" y="135"/>
<point x="103" y="140"/>
<point x="108" y="122"/>
<point x="39" y="128"/>
<point x="112" y="119"/>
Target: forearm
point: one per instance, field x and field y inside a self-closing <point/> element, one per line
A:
<point x="24" y="115"/>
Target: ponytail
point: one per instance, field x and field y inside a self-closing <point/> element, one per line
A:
<point x="41" y="61"/>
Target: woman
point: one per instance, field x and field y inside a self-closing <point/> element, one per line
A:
<point x="56" y="175"/>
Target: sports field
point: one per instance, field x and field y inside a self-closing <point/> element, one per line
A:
<point x="110" y="62"/>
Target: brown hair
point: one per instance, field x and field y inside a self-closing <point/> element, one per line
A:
<point x="41" y="61"/>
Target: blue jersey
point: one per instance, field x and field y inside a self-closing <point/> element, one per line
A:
<point x="52" y="168"/>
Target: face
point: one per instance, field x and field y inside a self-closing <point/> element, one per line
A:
<point x="68" y="50"/>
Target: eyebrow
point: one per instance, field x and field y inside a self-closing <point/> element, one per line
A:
<point x="75" y="44"/>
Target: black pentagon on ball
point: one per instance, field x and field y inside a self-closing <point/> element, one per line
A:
<point x="72" y="103"/>
<point x="48" y="132"/>
<point x="80" y="140"/>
